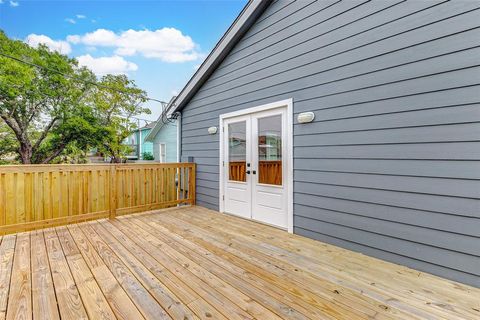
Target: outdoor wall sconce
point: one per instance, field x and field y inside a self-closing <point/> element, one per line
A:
<point x="305" y="117"/>
<point x="212" y="130"/>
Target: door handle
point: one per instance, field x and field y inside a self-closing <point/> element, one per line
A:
<point x="248" y="172"/>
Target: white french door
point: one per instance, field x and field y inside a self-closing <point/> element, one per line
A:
<point x="255" y="162"/>
<point x="237" y="166"/>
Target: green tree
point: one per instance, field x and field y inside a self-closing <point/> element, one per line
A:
<point x="148" y="156"/>
<point x="8" y="143"/>
<point x="116" y="109"/>
<point x="46" y="111"/>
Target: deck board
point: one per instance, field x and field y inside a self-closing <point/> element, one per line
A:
<point x="92" y="296"/>
<point x="255" y="288"/>
<point x="224" y="296"/>
<point x="69" y="302"/>
<point x="121" y="304"/>
<point x="157" y="289"/>
<point x="171" y="277"/>
<point x="291" y="266"/>
<point x="195" y="263"/>
<point x="43" y="292"/>
<point x="297" y="287"/>
<point x="357" y="269"/>
<point x="317" y="306"/>
<point x="20" y="297"/>
<point x="142" y="298"/>
<point x="7" y="249"/>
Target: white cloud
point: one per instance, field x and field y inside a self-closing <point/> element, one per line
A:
<point x="104" y="65"/>
<point x="14" y="3"/>
<point x="166" y="44"/>
<point x="56" y="45"/>
<point x="100" y="37"/>
<point x="70" y="20"/>
<point x="73" y="39"/>
<point x="81" y="16"/>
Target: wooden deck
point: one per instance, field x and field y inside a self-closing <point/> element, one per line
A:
<point x="191" y="263"/>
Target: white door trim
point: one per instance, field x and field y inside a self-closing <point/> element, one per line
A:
<point x="179" y="135"/>
<point x="289" y="183"/>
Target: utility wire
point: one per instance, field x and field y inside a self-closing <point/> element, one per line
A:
<point x="78" y="79"/>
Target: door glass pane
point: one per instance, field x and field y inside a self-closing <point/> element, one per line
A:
<point x="237" y="151"/>
<point x="270" y="150"/>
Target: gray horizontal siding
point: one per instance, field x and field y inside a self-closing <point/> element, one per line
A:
<point x="422" y="151"/>
<point x="361" y="89"/>
<point x="448" y="205"/>
<point x="464" y="113"/>
<point x="376" y="74"/>
<point x="450" y="97"/>
<point x="425" y="219"/>
<point x="391" y="165"/>
<point x="435" y="23"/>
<point x="436" y="186"/>
<point x="414" y="168"/>
<point x="395" y="21"/>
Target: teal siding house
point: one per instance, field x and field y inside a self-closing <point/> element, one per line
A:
<point x="164" y="136"/>
<point x="164" y="141"/>
<point x="138" y="143"/>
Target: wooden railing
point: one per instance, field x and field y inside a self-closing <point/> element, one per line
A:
<point x="38" y="196"/>
<point x="269" y="171"/>
<point x="237" y="170"/>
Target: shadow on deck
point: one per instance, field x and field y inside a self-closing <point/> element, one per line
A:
<point x="191" y="262"/>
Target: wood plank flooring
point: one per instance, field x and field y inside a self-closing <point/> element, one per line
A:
<point x="194" y="263"/>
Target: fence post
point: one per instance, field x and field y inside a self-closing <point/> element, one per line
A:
<point x="113" y="191"/>
<point x="192" y="181"/>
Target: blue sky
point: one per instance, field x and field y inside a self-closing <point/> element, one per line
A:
<point x="159" y="44"/>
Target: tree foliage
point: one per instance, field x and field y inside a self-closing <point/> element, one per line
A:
<point x="148" y="156"/>
<point x="8" y="143"/>
<point x="51" y="111"/>
<point x="45" y="110"/>
<point x="115" y="109"/>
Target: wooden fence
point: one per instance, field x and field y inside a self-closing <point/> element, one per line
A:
<point x="237" y="170"/>
<point x="269" y="171"/>
<point x="38" y="196"/>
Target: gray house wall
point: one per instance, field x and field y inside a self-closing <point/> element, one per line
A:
<point x="390" y="166"/>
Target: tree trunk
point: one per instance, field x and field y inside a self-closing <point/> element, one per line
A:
<point x="116" y="159"/>
<point x="25" y="152"/>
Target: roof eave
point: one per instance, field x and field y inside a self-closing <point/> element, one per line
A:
<point x="159" y="124"/>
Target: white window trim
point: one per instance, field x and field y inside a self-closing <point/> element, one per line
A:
<point x="289" y="183"/>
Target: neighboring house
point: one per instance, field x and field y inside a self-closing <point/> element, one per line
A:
<point x="138" y="143"/>
<point x="390" y="164"/>
<point x="163" y="137"/>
